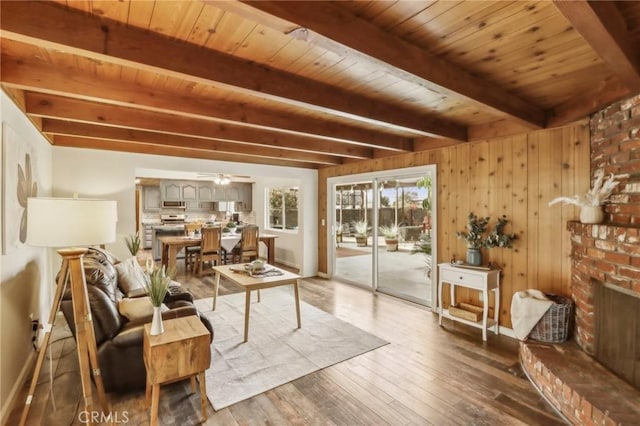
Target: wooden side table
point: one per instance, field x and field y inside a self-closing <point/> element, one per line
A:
<point x="182" y="351"/>
<point x="481" y="280"/>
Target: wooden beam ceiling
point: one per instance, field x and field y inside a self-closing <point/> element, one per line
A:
<point x="145" y="148"/>
<point x="71" y="32"/>
<point x="87" y="130"/>
<point x="604" y="28"/>
<point x="32" y="74"/>
<point x="313" y="83"/>
<point x="404" y="59"/>
<point x="43" y="105"/>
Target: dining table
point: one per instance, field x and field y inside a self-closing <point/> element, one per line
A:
<point x="171" y="246"/>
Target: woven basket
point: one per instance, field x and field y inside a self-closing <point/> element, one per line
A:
<point x="556" y="324"/>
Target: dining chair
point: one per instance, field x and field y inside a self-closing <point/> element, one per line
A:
<point x="191" y="252"/>
<point x="210" y="248"/>
<point x="248" y="246"/>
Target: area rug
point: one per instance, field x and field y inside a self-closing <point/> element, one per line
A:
<point x="276" y="352"/>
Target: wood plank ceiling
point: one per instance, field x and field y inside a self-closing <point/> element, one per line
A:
<point x="311" y="84"/>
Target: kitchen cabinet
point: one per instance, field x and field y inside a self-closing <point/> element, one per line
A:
<point x="229" y="192"/>
<point x="151" y="197"/>
<point x="205" y="192"/>
<point x="147" y="237"/>
<point x="171" y="190"/>
<point x="219" y="193"/>
<point x="189" y="191"/>
<point x="233" y="192"/>
<point x="245" y="203"/>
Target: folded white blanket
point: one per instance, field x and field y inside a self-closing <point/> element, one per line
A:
<point x="527" y="308"/>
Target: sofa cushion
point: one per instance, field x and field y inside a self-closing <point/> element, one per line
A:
<point x="138" y="308"/>
<point x="131" y="278"/>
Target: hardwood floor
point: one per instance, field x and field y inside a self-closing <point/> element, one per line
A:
<point x="426" y="375"/>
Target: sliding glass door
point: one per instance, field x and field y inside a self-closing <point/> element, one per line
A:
<point x="404" y="211"/>
<point x="382" y="232"/>
<point x="353" y="240"/>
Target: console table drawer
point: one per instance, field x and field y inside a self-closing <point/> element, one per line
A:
<point x="463" y="278"/>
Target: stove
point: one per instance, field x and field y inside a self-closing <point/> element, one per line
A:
<point x="173" y="219"/>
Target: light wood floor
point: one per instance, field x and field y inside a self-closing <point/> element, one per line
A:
<point x="426" y="375"/>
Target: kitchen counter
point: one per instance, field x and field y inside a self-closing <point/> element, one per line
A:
<point x="168" y="227"/>
<point x="165" y="231"/>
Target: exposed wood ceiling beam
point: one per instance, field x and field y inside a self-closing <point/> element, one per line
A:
<point x="50" y="26"/>
<point x="606" y="93"/>
<point x="604" y="28"/>
<point x="400" y="57"/>
<point x="34" y="75"/>
<point x="144" y="148"/>
<point x="50" y="106"/>
<point x="70" y="128"/>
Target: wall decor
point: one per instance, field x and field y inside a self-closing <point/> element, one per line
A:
<point x="19" y="183"/>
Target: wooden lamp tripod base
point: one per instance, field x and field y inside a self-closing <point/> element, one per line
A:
<point x="85" y="335"/>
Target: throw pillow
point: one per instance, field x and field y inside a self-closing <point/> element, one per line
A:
<point x="131" y="278"/>
<point x="138" y="308"/>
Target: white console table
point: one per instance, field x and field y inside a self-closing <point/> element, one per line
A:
<point x="477" y="279"/>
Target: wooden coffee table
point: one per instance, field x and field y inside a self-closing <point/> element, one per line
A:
<point x="255" y="283"/>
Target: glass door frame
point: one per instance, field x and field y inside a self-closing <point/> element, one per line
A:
<point x="374" y="178"/>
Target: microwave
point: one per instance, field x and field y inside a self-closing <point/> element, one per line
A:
<point x="174" y="205"/>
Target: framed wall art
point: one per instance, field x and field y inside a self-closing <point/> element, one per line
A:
<point x="18" y="183"/>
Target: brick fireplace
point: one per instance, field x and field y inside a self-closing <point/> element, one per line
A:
<point x="603" y="255"/>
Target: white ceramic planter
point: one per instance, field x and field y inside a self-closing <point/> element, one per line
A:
<point x="591" y="214"/>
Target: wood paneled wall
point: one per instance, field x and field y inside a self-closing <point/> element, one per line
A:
<point x="516" y="176"/>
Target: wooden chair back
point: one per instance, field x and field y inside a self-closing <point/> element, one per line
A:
<point x="211" y="239"/>
<point x="210" y="248"/>
<point x="248" y="243"/>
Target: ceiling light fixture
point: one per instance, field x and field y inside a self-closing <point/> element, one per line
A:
<point x="221" y="179"/>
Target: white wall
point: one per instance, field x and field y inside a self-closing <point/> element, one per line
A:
<point x="111" y="175"/>
<point x="26" y="285"/>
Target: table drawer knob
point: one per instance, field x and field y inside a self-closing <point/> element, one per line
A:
<point x="461" y="278"/>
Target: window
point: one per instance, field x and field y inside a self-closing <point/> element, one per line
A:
<point x="283" y="208"/>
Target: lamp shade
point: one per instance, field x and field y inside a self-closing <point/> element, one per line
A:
<point x="70" y="222"/>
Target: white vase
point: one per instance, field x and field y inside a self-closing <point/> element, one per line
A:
<point x="591" y="214"/>
<point x="156" y="322"/>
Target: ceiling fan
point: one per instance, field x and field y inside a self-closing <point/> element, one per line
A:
<point x="221" y="178"/>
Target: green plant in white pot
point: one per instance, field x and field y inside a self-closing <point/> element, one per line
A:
<point x="362" y="229"/>
<point x="591" y="203"/>
<point x="157" y="284"/>
<point x="390" y="234"/>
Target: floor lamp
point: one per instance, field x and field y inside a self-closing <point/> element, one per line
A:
<point x="72" y="222"/>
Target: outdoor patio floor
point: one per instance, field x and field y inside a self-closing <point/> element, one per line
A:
<point x="401" y="273"/>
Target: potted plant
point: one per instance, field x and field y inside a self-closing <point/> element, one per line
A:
<point x="426" y="182"/>
<point x="423" y="245"/>
<point x="133" y="243"/>
<point x="591" y="203"/>
<point x="157" y="282"/>
<point x="361" y="233"/>
<point x="475" y="228"/>
<point x="390" y="234"/>
<point x="339" y="231"/>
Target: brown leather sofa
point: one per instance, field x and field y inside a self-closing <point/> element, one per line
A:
<point x="120" y="340"/>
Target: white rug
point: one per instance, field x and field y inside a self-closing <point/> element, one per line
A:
<point x="276" y="352"/>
